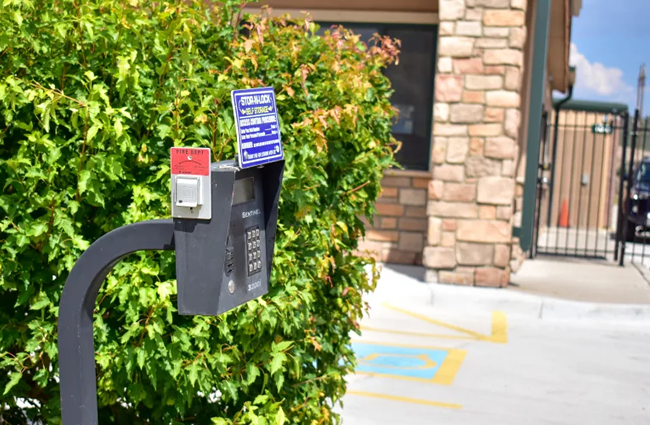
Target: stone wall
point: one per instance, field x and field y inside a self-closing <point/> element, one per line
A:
<point x="400" y="227"/>
<point x="476" y="124"/>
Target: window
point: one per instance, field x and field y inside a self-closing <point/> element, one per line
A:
<point x="412" y="79"/>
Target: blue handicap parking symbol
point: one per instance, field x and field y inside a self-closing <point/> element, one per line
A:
<point x="397" y="361"/>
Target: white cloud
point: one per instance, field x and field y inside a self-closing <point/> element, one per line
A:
<point x="598" y="78"/>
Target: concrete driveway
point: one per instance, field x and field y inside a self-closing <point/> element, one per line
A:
<point x="424" y="365"/>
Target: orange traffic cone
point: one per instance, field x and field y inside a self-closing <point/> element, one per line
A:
<point x="563" y="220"/>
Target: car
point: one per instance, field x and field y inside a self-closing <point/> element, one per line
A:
<point x="637" y="206"/>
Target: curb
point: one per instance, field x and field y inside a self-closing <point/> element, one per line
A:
<point x="643" y="271"/>
<point x="396" y="287"/>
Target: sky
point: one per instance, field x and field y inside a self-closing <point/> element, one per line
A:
<point x="610" y="41"/>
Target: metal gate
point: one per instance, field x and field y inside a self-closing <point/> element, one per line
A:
<point x="583" y="151"/>
<point x="634" y="221"/>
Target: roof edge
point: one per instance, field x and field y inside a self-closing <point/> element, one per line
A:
<point x="592" y="106"/>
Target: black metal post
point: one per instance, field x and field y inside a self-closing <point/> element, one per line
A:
<point x="540" y="184"/>
<point x="628" y="190"/>
<point x="556" y="129"/>
<point x="76" y="341"/>
<point x="621" y="185"/>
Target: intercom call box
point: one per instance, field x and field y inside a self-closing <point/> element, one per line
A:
<point x="224" y="262"/>
<point x="246" y="244"/>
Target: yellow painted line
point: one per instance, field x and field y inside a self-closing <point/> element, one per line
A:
<point x="499" y="325"/>
<point x="427" y="335"/>
<point x="476" y="335"/>
<point x="449" y="367"/>
<point x="445" y="374"/>
<point x="499" y="328"/>
<point x="392" y="344"/>
<point x="406" y="399"/>
<point x="405" y="378"/>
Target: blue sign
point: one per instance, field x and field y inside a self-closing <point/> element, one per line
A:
<point x="258" y="127"/>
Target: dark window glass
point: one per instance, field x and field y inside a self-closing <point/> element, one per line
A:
<point x="412" y="79"/>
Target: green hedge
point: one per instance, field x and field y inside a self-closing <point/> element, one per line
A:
<point x="93" y="93"/>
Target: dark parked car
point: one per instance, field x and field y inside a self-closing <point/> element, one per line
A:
<point x="637" y="205"/>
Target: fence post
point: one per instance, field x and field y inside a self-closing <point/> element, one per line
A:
<point x="540" y="183"/>
<point x="621" y="186"/>
<point x="628" y="189"/>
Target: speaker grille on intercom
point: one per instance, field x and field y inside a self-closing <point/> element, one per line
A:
<point x="230" y="261"/>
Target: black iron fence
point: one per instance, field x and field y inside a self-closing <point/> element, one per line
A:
<point x="580" y="182"/>
<point x="634" y="210"/>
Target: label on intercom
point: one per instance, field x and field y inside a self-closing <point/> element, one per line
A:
<point x="258" y="126"/>
<point x="191" y="193"/>
<point x="193" y="161"/>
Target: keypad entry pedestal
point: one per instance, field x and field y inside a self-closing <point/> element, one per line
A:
<point x="221" y="264"/>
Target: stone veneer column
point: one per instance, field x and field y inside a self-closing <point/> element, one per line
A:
<point x="476" y="123"/>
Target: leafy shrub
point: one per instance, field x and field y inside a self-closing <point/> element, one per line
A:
<point x="92" y="96"/>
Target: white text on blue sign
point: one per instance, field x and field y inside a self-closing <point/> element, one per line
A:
<point x="258" y="127"/>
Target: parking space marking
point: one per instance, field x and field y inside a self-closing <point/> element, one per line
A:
<point x="406" y="399"/>
<point x="423" y="334"/>
<point x="432" y="365"/>
<point x="499" y="334"/>
<point x="499" y="328"/>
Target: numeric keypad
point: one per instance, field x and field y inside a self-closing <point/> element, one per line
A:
<point x="253" y="250"/>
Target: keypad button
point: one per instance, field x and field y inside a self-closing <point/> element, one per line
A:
<point x="250" y="267"/>
<point x="250" y="246"/>
<point x="257" y="233"/>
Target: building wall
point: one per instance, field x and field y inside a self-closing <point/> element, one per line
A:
<point x="368" y="11"/>
<point x="457" y="219"/>
<point x="385" y="5"/>
<point x="517" y="255"/>
<point x="477" y="121"/>
<point x="400" y="227"/>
